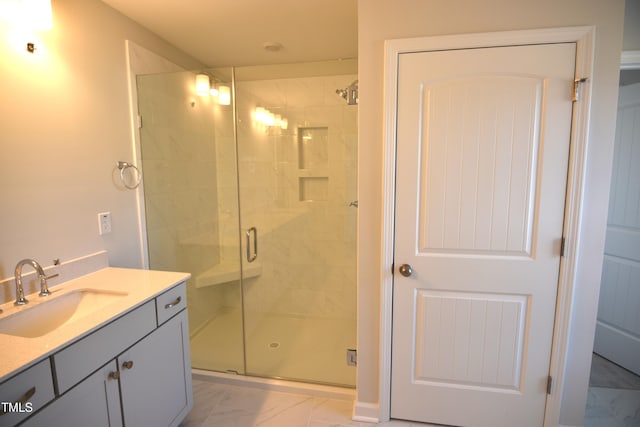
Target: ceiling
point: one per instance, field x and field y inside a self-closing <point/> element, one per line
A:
<point x="234" y="32"/>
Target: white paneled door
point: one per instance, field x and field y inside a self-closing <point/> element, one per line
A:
<point x="618" y="327"/>
<point x="482" y="151"/>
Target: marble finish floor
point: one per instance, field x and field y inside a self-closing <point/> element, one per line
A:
<point x="219" y="404"/>
<point x="225" y="405"/>
<point x="614" y="396"/>
<point x="609" y="375"/>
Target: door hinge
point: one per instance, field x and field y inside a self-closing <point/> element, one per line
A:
<point x="549" y="384"/>
<point x="563" y="242"/>
<point x="139" y="121"/>
<point x="576" y="89"/>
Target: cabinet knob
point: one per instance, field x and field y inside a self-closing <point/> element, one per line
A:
<point x="127" y="365"/>
<point x="115" y="375"/>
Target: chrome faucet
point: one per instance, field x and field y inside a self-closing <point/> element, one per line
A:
<point x="44" y="288"/>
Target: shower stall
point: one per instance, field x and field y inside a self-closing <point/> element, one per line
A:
<point x="255" y="196"/>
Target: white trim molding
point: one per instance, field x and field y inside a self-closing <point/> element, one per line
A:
<point x="366" y="412"/>
<point x="584" y="37"/>
<point x="630" y="60"/>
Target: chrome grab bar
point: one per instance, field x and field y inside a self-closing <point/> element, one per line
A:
<point x="252" y="256"/>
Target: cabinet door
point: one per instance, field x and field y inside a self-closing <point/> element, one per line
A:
<point x="94" y="402"/>
<point x="155" y="377"/>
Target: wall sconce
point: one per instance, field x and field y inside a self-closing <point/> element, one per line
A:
<point x="267" y="118"/>
<point x="224" y="95"/>
<point x="31" y="15"/>
<point x="203" y="85"/>
<point x="205" y="88"/>
<point x="37" y="15"/>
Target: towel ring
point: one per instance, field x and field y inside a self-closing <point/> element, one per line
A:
<point x="123" y="166"/>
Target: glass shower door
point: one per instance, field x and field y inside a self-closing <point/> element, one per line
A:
<point x="191" y="207"/>
<point x="297" y="145"/>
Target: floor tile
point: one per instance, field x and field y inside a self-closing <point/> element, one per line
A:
<point x="225" y="405"/>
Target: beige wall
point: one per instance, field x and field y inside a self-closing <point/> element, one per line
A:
<point x="65" y="122"/>
<point x="383" y="19"/>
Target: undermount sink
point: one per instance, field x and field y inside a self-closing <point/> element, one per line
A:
<point x="45" y="316"/>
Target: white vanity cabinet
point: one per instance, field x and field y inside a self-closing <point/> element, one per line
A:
<point x="155" y="377"/>
<point x="93" y="402"/>
<point x="25" y="393"/>
<point x="134" y="371"/>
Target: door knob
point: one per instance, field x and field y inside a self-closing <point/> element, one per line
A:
<point x="405" y="270"/>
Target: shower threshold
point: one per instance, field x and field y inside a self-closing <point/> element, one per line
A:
<point x="318" y="390"/>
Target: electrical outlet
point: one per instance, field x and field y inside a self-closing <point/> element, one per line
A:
<point x="104" y="223"/>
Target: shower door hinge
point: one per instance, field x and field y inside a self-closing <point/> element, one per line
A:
<point x="352" y="357"/>
<point x="576" y="89"/>
<point x="549" y="384"/>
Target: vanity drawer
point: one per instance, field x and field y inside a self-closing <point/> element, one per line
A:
<point x="80" y="359"/>
<point x="171" y="302"/>
<point x="27" y="392"/>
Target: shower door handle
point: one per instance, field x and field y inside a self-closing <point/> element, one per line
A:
<point x="252" y="256"/>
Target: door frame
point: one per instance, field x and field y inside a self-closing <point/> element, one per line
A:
<point x="584" y="37"/>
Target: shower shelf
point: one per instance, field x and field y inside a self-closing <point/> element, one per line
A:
<point x="226" y="272"/>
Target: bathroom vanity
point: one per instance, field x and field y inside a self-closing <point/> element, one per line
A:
<point x="123" y="360"/>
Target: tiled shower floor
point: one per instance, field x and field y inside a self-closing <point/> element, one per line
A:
<point x="290" y="347"/>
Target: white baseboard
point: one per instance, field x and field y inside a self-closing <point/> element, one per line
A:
<point x="366" y="412"/>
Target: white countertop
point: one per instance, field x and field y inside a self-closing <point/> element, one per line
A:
<point x="17" y="352"/>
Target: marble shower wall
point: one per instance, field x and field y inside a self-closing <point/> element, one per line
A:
<point x="296" y="187"/>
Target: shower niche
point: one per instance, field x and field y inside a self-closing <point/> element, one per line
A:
<point x="313" y="164"/>
<point x="258" y="214"/>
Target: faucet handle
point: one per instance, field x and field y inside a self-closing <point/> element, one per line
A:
<point x="44" y="288"/>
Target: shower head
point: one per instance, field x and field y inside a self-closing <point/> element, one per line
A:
<point x="350" y="93"/>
